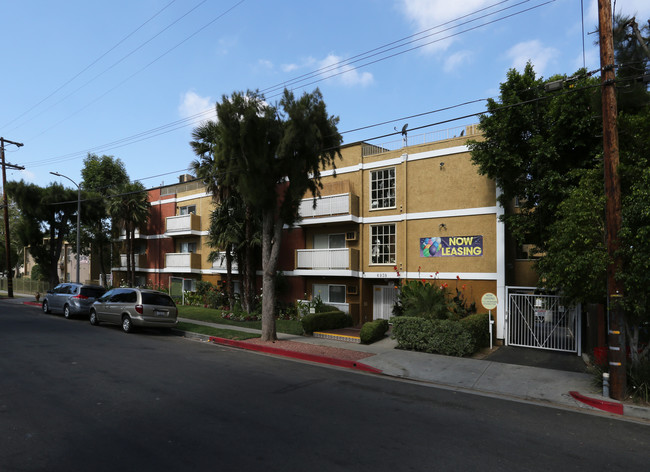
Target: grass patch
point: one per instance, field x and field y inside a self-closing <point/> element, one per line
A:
<point x="211" y="315"/>
<point x="217" y="332"/>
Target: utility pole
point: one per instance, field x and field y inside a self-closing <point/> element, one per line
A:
<point x="5" y="204"/>
<point x="617" y="352"/>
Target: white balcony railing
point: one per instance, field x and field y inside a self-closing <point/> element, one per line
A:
<point x="181" y="261"/>
<point x="140" y="260"/>
<point x="175" y="224"/>
<point x="327" y="259"/>
<point x="325" y="206"/>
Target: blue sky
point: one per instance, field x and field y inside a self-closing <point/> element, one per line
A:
<point x="133" y="78"/>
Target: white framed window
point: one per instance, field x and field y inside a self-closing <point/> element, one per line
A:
<point x="186" y="210"/>
<point x="382" y="188"/>
<point x="329" y="241"/>
<point x="188" y="247"/>
<point x="329" y="293"/>
<point x="382" y="244"/>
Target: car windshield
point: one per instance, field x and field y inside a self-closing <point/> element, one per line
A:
<point x="92" y="292"/>
<point x="163" y="299"/>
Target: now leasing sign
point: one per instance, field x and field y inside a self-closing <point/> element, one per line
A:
<point x="447" y="246"/>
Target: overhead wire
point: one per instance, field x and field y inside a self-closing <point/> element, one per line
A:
<point x="195" y="118"/>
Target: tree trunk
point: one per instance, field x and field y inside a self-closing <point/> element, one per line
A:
<point x="249" y="271"/>
<point x="128" y="257"/>
<point x="132" y="252"/>
<point x="229" y="283"/>
<point x="271" y="239"/>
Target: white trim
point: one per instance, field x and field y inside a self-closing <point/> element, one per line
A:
<point x="402" y="216"/>
<point x="181" y="199"/>
<point x="501" y="269"/>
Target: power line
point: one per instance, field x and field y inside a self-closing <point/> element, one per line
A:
<point x="144" y="67"/>
<point x="85" y="69"/>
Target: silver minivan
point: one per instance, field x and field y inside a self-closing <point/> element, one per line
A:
<point x="71" y="299"/>
<point x="131" y="307"/>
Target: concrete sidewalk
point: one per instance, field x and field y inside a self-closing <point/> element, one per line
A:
<point x="534" y="384"/>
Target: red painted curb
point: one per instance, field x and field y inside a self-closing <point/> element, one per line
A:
<point x="32" y="303"/>
<point x="297" y="355"/>
<point x="611" y="407"/>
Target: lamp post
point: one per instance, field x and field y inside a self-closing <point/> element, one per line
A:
<point x="78" y="216"/>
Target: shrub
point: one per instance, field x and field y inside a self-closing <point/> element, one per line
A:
<point x="446" y="337"/>
<point x="422" y="299"/>
<point x="478" y="326"/>
<point x="373" y="331"/>
<point x="329" y="320"/>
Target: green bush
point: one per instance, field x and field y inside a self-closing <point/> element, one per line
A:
<point x="328" y="320"/>
<point x="478" y="326"/>
<point x="422" y="299"/>
<point x="446" y="337"/>
<point x="373" y="331"/>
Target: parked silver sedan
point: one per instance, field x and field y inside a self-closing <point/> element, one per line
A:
<point x="131" y="307"/>
<point x="71" y="299"/>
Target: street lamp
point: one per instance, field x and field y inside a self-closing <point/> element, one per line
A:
<point x="78" y="216"/>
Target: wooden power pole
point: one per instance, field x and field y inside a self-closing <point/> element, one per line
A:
<point x="617" y="352"/>
<point x="5" y="205"/>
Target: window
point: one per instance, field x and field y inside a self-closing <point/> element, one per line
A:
<point x="186" y="210"/>
<point x="329" y="241"/>
<point x="329" y="293"/>
<point x="382" y="188"/>
<point x="382" y="244"/>
<point x="188" y="247"/>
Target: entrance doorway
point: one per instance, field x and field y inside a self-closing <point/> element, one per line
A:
<point x="383" y="300"/>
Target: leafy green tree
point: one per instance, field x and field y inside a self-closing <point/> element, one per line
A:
<point x="101" y="175"/>
<point x="577" y="254"/>
<point x="235" y="222"/>
<point x="130" y="208"/>
<point x="47" y="215"/>
<point x="273" y="157"/>
<point x="533" y="139"/>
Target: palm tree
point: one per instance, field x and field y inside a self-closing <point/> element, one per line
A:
<point x="130" y="209"/>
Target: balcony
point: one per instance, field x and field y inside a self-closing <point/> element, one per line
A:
<point x="219" y="264"/>
<point x="183" y="225"/>
<point x="339" y="208"/>
<point x="182" y="261"/>
<point x="123" y="234"/>
<point x="140" y="261"/>
<point x="327" y="259"/>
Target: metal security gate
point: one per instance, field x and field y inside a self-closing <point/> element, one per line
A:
<point x="383" y="300"/>
<point x="542" y="322"/>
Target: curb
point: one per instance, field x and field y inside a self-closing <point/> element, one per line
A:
<point x="297" y="355"/>
<point x="610" y="407"/>
<point x="32" y="303"/>
<point x="630" y="411"/>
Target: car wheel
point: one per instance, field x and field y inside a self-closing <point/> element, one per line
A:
<point x="46" y="307"/>
<point x="127" y="326"/>
<point x="66" y="312"/>
<point x="93" y="318"/>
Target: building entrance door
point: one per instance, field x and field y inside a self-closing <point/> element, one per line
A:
<point x="383" y="299"/>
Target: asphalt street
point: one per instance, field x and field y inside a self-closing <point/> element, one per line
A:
<point x="78" y="397"/>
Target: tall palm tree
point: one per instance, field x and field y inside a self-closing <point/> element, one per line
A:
<point x="130" y="208"/>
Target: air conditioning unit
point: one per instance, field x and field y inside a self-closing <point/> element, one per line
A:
<point x="353" y="289"/>
<point x="351" y="236"/>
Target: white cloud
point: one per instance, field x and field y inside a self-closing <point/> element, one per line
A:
<point x="457" y="59"/>
<point x="265" y="63"/>
<point x="345" y="74"/>
<point x="427" y="14"/>
<point x="533" y="51"/>
<point x="330" y="68"/>
<point x="192" y="104"/>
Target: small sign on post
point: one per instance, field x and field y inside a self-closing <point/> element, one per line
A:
<point x="489" y="302"/>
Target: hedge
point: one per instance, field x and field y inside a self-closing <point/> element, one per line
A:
<point x="478" y="326"/>
<point x="448" y="337"/>
<point x="329" y="320"/>
<point x="373" y="331"/>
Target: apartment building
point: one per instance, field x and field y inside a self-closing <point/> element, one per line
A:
<point x="396" y="212"/>
<point x="387" y="213"/>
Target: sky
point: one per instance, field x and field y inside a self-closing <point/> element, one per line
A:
<point x="133" y="78"/>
